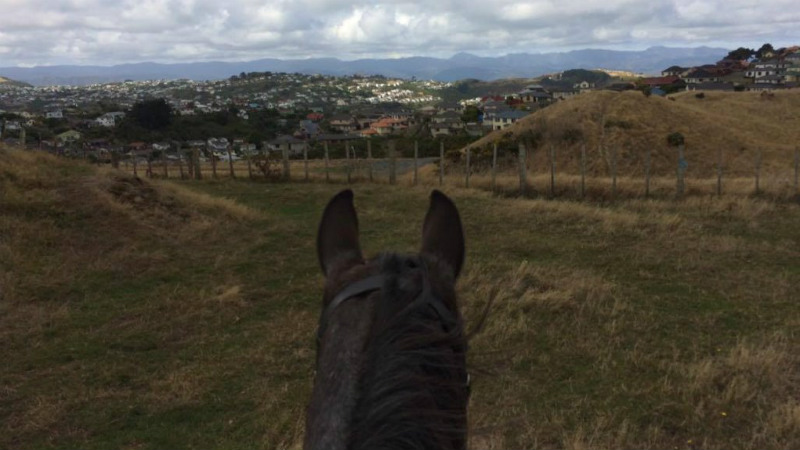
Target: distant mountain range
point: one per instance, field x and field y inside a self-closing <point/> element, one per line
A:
<point x="460" y="66"/>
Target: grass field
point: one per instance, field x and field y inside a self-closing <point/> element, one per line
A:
<point x="166" y="314"/>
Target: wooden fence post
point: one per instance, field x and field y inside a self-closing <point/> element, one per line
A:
<point x="180" y="162"/>
<point x="347" y="162"/>
<point x="369" y="159"/>
<point x="647" y="162"/>
<point x="230" y="163"/>
<point x="681" y="170"/>
<point x="249" y="157"/>
<point x="758" y="170"/>
<point x="494" y="166"/>
<point x="614" y="171"/>
<point x="552" y="171"/>
<point x="523" y="169"/>
<point x="719" y="172"/>
<point x="305" y="160"/>
<point x="392" y="162"/>
<point x="441" y="163"/>
<point x="149" y="164"/>
<point x="583" y="170"/>
<point x="213" y="165"/>
<point x="285" y="157"/>
<point x="466" y="180"/>
<point x="327" y="168"/>
<point x="198" y="171"/>
<point x="796" y="166"/>
<point x="416" y="156"/>
<point x="114" y="159"/>
<point x="133" y="157"/>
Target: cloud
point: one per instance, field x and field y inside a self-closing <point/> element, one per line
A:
<point x="103" y="32"/>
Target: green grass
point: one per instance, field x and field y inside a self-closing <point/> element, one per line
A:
<point x="183" y="320"/>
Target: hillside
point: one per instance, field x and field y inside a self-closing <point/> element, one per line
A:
<point x="9" y="82"/>
<point x="145" y="314"/>
<point x="738" y="123"/>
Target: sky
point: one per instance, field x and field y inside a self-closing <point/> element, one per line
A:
<point x="104" y="32"/>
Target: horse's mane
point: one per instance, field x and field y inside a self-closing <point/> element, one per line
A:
<point x="413" y="390"/>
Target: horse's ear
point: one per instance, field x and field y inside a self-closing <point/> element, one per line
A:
<point x="337" y="237"/>
<point x="442" y="234"/>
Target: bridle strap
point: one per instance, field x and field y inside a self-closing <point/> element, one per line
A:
<point x="360" y="287"/>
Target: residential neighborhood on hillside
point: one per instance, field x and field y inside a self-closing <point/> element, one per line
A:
<point x="263" y="111"/>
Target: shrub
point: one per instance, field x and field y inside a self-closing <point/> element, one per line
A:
<point x="675" y="139"/>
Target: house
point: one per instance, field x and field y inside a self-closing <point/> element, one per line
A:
<point x="446" y="127"/>
<point x="54" y="114"/>
<point x="534" y="94"/>
<point x="673" y="71"/>
<point x="217" y="145"/>
<point x="583" y="86"/>
<point x="563" y="94"/>
<point x="344" y="123"/>
<point x="69" y="136"/>
<point x="445" y="116"/>
<point x="291" y="144"/>
<point x="700" y="76"/>
<point x="388" y="126"/>
<point x="504" y="119"/>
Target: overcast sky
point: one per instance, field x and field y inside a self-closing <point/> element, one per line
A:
<point x="46" y="32"/>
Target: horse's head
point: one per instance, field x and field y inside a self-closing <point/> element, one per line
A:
<point x="391" y="366"/>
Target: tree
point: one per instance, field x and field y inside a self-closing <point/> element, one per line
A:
<point x="741" y="54"/>
<point x="470" y="114"/>
<point x="765" y="51"/>
<point x="152" y="114"/>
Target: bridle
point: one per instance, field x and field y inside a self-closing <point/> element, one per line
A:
<point x="377" y="282"/>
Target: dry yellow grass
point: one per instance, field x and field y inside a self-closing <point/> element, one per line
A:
<point x="180" y="320"/>
<point x="738" y="123"/>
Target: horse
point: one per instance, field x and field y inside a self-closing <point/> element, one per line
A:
<point x="391" y="348"/>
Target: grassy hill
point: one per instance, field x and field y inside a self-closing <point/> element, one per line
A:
<point x="10" y="82"/>
<point x="142" y="314"/>
<point x="737" y="123"/>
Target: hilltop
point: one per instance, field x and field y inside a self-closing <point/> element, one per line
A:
<point x="738" y="123"/>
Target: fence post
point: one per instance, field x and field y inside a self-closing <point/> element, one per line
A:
<point x="327" y="168"/>
<point x="681" y="162"/>
<point x="249" y="163"/>
<point x="466" y="180"/>
<point x="583" y="170"/>
<point x="392" y="162"/>
<point x="347" y="162"/>
<point x="647" y="162"/>
<point x="149" y="164"/>
<point x="758" y="171"/>
<point x="164" y="163"/>
<point x="441" y="163"/>
<point x="523" y="170"/>
<point x="796" y="166"/>
<point x="198" y="170"/>
<point x="719" y="172"/>
<point x="230" y="162"/>
<point x="614" y="171"/>
<point x="369" y="158"/>
<point x="305" y="160"/>
<point x="552" y="171"/>
<point x="133" y="157"/>
<point x="285" y="157"/>
<point x="416" y="156"/>
<point x="213" y="165"/>
<point x="494" y="166"/>
<point x="114" y="159"/>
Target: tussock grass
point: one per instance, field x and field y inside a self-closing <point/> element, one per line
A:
<point x="738" y="123"/>
<point x="187" y="318"/>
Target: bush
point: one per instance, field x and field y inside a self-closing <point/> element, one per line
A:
<point x="675" y="139"/>
<point x="700" y="95"/>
